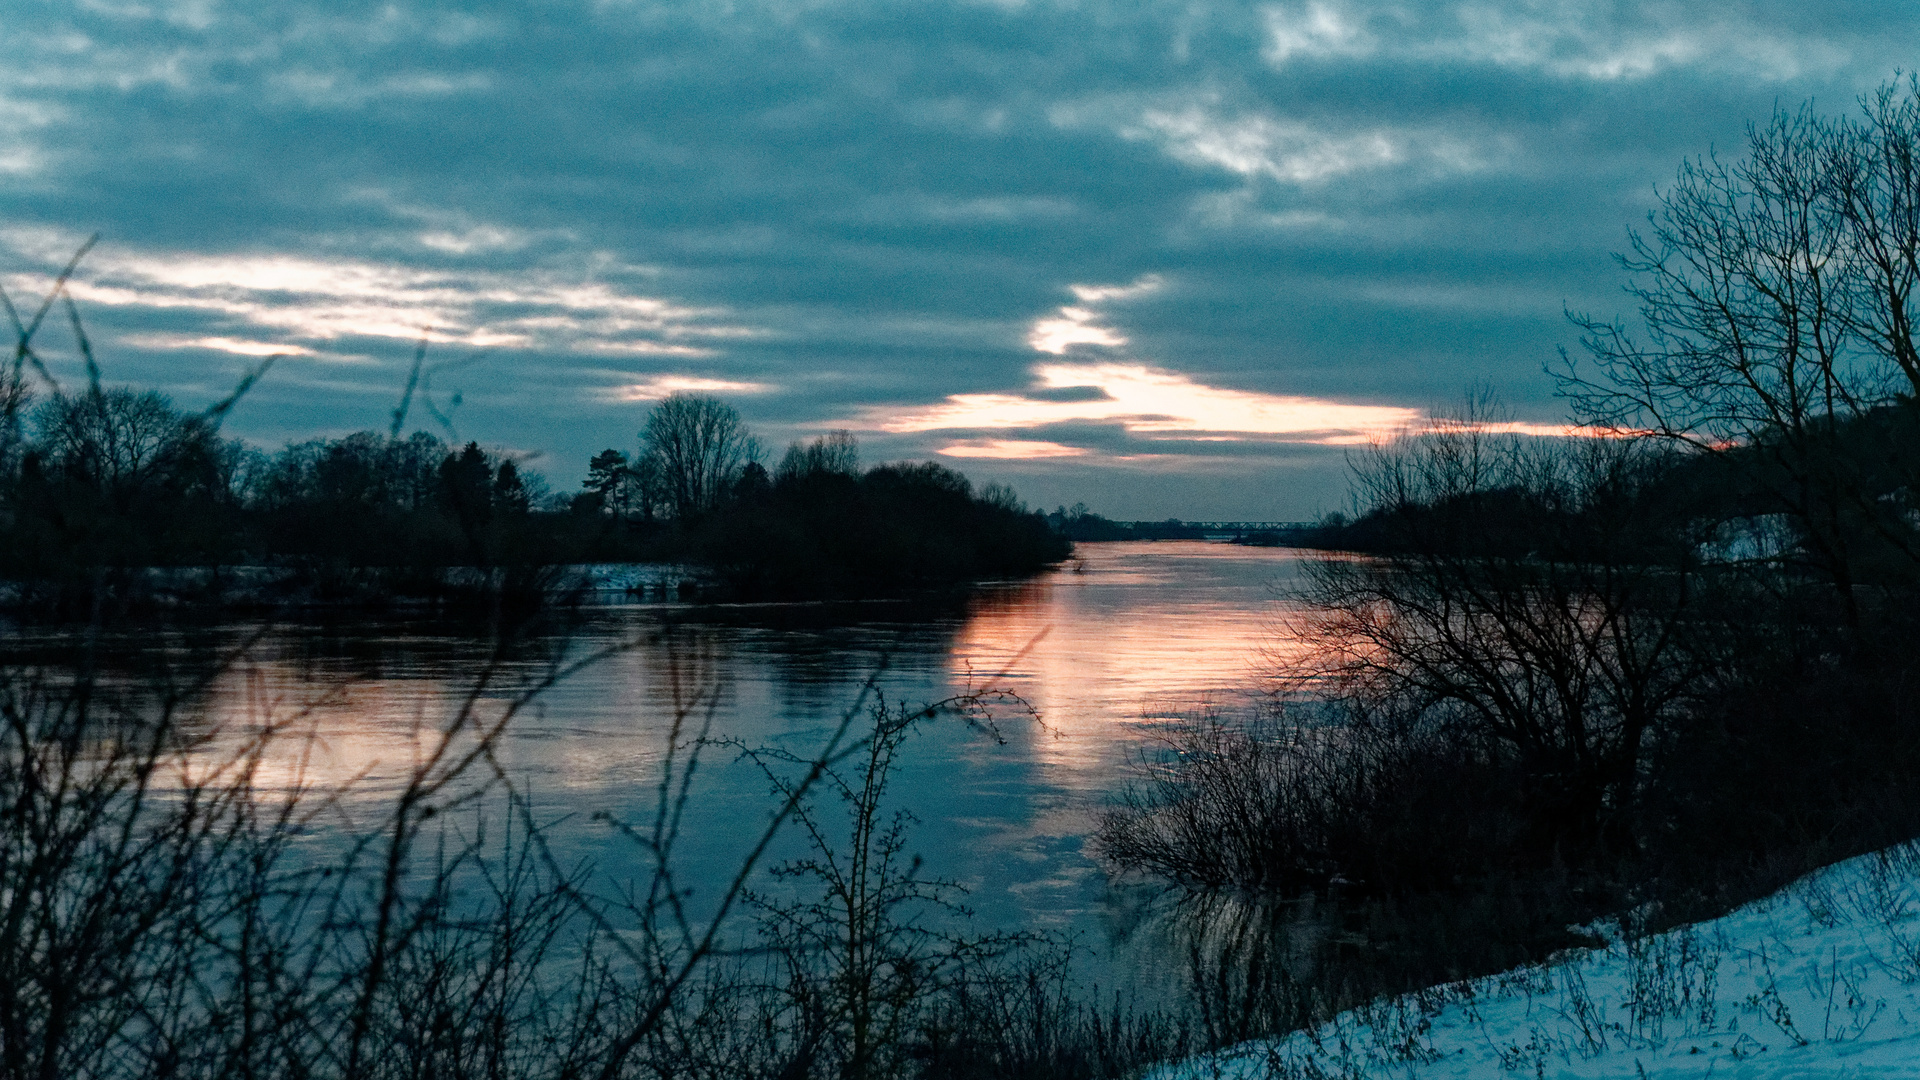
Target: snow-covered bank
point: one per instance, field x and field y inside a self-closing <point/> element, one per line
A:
<point x="1819" y="980"/>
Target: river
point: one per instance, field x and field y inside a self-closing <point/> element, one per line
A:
<point x="1104" y="650"/>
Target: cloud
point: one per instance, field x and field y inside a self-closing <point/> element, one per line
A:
<point x="644" y="348"/>
<point x="1129" y="413"/>
<point x="1566" y="39"/>
<point x="466" y="242"/>
<point x="1100" y="294"/>
<point x="1527" y="428"/>
<point x="1074" y="325"/>
<point x="21" y="125"/>
<point x="910" y="209"/>
<point x="1262" y="146"/>
<point x="661" y="386"/>
<point x="1011" y="449"/>
<point x="1500" y="297"/>
<point x="1071" y="326"/>
<point x="317" y="299"/>
<point x="1256" y="142"/>
<point x="1575" y="40"/>
<point x="1155" y="403"/>
<point x="1317" y="30"/>
<point x="238" y="347"/>
<point x="342" y="90"/>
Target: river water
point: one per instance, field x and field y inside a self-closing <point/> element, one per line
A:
<point x="1104" y="650"/>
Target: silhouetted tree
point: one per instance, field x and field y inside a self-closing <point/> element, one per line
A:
<point x="1521" y="613"/>
<point x="413" y="463"/>
<point x="700" y="444"/>
<point x="350" y="470"/>
<point x="126" y="446"/>
<point x="509" y="491"/>
<point x="16" y="400"/>
<point x="118" y="477"/>
<point x="835" y="452"/>
<point x="753" y="484"/>
<point x="364" y="469"/>
<point x="466" y="486"/>
<point x="609" y="481"/>
<point x="647" y="487"/>
<point x="1776" y="311"/>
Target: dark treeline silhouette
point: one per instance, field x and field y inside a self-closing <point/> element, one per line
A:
<point x="817" y="524"/>
<point x="1661" y="669"/>
<point x="860" y="532"/>
<point x="1079" y="523"/>
<point x="115" y="481"/>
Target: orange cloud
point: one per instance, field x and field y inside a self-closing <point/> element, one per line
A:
<point x="1157" y="403"/>
<point x="1524" y="427"/>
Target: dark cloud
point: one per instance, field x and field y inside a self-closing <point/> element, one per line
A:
<point x="833" y="213"/>
<point x="1070" y="393"/>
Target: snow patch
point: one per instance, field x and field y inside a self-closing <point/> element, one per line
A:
<point x="1819" y="980"/>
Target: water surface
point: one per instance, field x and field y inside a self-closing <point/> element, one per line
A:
<point x="1103" y="650"/>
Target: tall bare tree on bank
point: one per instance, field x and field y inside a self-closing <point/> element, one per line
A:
<point x="701" y="445"/>
<point x="1776" y="303"/>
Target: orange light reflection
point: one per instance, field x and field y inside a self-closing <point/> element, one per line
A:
<point x="1083" y="648"/>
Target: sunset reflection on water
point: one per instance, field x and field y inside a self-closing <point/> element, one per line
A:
<point x="1104" y="649"/>
<point x="1131" y="633"/>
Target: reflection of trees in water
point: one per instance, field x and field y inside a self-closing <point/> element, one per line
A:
<point x="189" y="890"/>
<point x="1250" y="966"/>
<point x="1236" y="967"/>
<point x="1001" y="599"/>
<point x="399" y="695"/>
<point x="362" y="687"/>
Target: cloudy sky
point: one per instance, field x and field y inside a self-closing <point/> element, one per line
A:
<point x="1168" y="258"/>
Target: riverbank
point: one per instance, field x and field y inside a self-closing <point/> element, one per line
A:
<point x="1819" y="979"/>
<point x="312" y="586"/>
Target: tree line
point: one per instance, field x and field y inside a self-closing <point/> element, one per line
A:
<point x="118" y="479"/>
<point x="816" y="523"/>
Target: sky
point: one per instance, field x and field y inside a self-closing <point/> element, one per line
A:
<point x="1164" y="258"/>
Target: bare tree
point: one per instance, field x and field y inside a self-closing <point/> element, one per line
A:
<point x="647" y="486"/>
<point x="1776" y="323"/>
<point x="700" y="444"/>
<point x="1742" y="294"/>
<point x="1522" y="612"/>
<point x="1873" y="187"/>
<point x="125" y="444"/>
<point x="836" y="452"/>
